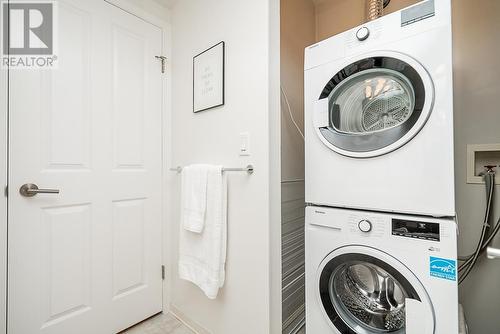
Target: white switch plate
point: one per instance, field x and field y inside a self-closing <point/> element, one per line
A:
<point x="244" y="144"/>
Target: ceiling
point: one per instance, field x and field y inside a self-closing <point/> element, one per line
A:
<point x="165" y="3"/>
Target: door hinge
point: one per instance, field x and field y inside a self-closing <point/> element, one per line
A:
<point x="163" y="60"/>
<point x="6" y="191"/>
<point x="162" y="272"/>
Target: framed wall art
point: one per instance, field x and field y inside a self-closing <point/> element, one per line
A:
<point x="208" y="78"/>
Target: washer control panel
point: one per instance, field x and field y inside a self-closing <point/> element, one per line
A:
<point x="365" y="225"/>
<point x="416" y="229"/>
<point x="368" y="226"/>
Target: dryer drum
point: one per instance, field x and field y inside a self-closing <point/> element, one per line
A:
<point x="371" y="101"/>
<point x="375" y="103"/>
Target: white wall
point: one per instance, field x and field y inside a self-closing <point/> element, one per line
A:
<point x="244" y="304"/>
<point x="148" y="8"/>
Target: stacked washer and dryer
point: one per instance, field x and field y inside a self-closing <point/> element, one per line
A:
<point x="381" y="238"/>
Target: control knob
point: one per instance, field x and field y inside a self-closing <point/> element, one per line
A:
<point x="362" y="33"/>
<point x="365" y="226"/>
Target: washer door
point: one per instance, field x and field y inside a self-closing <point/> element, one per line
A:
<point x="374" y="105"/>
<point x="366" y="291"/>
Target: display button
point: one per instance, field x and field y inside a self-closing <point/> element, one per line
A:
<point x="363" y="33"/>
<point x="365" y="226"/>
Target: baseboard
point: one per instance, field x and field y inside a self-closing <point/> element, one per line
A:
<point x="188" y="322"/>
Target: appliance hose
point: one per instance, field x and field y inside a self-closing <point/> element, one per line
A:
<point x="290" y="113"/>
<point x="489" y="183"/>
<point x="471" y="260"/>
<point x="374" y="9"/>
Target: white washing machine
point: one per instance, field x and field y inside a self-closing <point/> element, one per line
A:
<point x="379" y="115"/>
<point x="371" y="273"/>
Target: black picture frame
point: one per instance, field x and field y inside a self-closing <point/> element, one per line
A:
<point x="223" y="74"/>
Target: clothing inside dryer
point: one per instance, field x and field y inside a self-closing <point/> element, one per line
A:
<point x="367" y="295"/>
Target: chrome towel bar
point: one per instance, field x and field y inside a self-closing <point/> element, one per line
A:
<point x="249" y="169"/>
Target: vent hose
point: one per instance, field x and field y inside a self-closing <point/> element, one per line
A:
<point x="469" y="261"/>
<point x="374" y="9"/>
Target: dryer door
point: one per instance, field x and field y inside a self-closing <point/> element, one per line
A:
<point x="366" y="291"/>
<point x="374" y="105"/>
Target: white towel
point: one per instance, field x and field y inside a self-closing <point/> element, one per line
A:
<point x="194" y="196"/>
<point x="202" y="256"/>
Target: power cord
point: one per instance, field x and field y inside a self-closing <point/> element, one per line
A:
<point x="290" y="112"/>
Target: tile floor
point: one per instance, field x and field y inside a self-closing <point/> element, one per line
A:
<point x="159" y="324"/>
<point x="165" y="324"/>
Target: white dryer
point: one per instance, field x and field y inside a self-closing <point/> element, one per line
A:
<point x="374" y="273"/>
<point x="379" y="114"/>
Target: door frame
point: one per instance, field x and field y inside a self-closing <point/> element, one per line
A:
<point x="164" y="25"/>
<point x="4" y="91"/>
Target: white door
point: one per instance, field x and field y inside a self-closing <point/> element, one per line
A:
<point x="87" y="260"/>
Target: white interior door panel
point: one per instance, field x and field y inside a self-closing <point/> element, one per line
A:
<point x="87" y="260"/>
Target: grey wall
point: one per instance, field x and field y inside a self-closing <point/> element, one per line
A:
<point x="297" y="31"/>
<point x="293" y="256"/>
<point x="336" y="16"/>
<point x="476" y="25"/>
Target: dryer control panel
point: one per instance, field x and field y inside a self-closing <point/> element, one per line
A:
<point x="416" y="229"/>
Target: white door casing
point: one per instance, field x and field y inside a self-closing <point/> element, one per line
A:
<point x="3" y="200"/>
<point x="87" y="260"/>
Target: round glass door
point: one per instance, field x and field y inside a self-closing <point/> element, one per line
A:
<point x="376" y="105"/>
<point x="362" y="294"/>
<point x="371" y="101"/>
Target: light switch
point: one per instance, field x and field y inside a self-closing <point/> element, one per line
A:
<point x="244" y="144"/>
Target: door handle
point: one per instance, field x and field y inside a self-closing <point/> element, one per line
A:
<point x="31" y="189"/>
